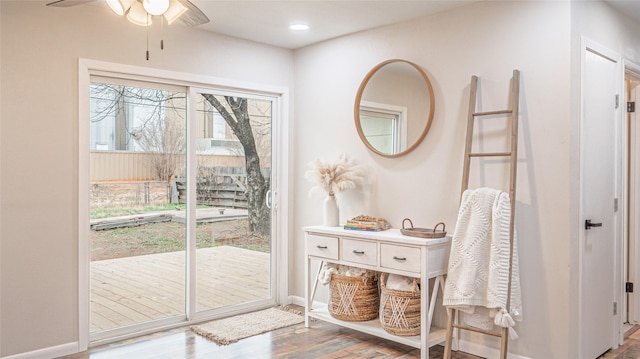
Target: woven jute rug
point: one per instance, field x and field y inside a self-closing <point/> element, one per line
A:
<point x="229" y="330"/>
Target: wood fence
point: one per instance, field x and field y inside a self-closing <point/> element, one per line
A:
<point x="134" y="166"/>
<point x="216" y="186"/>
<point x="128" y="194"/>
<point x="220" y="186"/>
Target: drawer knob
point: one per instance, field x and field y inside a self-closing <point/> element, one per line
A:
<point x="355" y="251"/>
<point x="321" y="247"/>
<point x="399" y="258"/>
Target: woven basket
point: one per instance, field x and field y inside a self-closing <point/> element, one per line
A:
<point x="399" y="310"/>
<point x="353" y="299"/>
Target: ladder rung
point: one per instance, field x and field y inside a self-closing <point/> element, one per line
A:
<point x="491" y="154"/>
<point x="477" y="330"/>
<point x="500" y="112"/>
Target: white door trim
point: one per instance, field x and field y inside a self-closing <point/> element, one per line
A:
<point x="634" y="254"/>
<point x="587" y="45"/>
<point x="87" y="68"/>
<point x="83" y="204"/>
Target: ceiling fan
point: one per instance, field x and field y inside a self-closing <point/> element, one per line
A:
<point x="141" y="12"/>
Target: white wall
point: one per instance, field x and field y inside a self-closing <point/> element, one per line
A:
<point x="39" y="76"/>
<point x="38" y="121"/>
<point x="488" y="39"/>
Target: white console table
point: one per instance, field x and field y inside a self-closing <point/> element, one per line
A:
<point x="386" y="251"/>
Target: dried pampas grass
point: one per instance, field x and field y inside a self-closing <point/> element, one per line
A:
<point x="342" y="175"/>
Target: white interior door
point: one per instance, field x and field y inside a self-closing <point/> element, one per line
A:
<point x="598" y="193"/>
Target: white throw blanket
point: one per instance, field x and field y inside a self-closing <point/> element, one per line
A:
<point x="478" y="274"/>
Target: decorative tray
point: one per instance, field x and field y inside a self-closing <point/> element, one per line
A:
<point x="423" y="232"/>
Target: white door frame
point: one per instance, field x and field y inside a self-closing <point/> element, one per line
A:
<point x="279" y="185"/>
<point x="279" y="250"/>
<point x="634" y="252"/>
<point x="617" y="336"/>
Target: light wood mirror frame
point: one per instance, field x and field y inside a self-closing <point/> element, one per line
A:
<point x="358" y="103"/>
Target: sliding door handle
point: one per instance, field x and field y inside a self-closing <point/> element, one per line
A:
<point x="267" y="199"/>
<point x="588" y="224"/>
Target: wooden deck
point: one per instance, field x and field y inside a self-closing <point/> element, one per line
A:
<point x="137" y="289"/>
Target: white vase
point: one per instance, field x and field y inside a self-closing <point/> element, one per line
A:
<point x="331" y="214"/>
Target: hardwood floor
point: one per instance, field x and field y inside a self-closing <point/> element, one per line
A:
<point x="629" y="350"/>
<point x="322" y="340"/>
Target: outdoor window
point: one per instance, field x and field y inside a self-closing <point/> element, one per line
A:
<point x="211" y="125"/>
<point x="127" y="117"/>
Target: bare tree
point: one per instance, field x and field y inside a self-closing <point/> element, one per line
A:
<point x="161" y="133"/>
<point x="164" y="141"/>
<point x="160" y="130"/>
<point x="257" y="185"/>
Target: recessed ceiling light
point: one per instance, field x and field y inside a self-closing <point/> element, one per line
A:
<point x="298" y="27"/>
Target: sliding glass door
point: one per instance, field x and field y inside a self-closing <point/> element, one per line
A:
<point x="233" y="214"/>
<point x="180" y="200"/>
<point x="137" y="229"/>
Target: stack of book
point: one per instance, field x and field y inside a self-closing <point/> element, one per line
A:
<point x="367" y="223"/>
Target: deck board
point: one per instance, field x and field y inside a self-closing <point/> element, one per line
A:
<point x="136" y="289"/>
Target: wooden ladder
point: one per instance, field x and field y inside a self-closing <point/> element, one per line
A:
<point x="512" y="113"/>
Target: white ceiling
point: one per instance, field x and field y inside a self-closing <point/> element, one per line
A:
<point x="629" y="7"/>
<point x="267" y="21"/>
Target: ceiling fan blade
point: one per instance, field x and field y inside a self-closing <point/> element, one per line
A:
<point x="67" y="3"/>
<point x="194" y="16"/>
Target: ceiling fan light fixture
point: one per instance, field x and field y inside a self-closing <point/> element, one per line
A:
<point x="156" y="7"/>
<point x="120" y="7"/>
<point x="138" y="15"/>
<point x="174" y="11"/>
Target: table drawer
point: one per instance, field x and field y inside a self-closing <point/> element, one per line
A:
<point x="362" y="252"/>
<point x="400" y="257"/>
<point x="322" y="246"/>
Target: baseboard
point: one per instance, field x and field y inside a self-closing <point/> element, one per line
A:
<point x="484" y="351"/>
<point x="47" y="353"/>
<point x="293" y="299"/>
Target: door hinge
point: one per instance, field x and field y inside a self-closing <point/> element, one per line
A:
<point x="615" y="205"/>
<point x="615" y="308"/>
<point x="628" y="287"/>
<point x="631" y="106"/>
<point x="617" y="100"/>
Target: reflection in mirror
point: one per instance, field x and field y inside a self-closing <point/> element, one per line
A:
<point x="384" y="126"/>
<point x="394" y="108"/>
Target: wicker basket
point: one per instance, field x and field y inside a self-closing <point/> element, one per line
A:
<point x="353" y="299"/>
<point x="399" y="310"/>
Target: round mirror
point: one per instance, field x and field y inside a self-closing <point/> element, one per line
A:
<point x="394" y="108"/>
